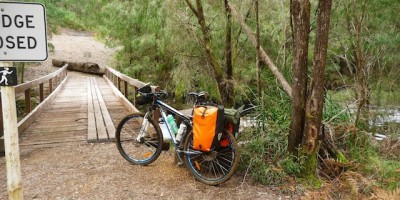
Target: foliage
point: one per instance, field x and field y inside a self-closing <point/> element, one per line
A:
<point x="361" y="148"/>
<point x="159" y="41"/>
<point x="58" y="16"/>
<point x="379" y="37"/>
<point x="139" y="29"/>
<point x="264" y="153"/>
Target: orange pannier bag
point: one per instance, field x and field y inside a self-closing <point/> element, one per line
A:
<point x="208" y="123"/>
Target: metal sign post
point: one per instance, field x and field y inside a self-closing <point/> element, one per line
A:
<point x="23" y="37"/>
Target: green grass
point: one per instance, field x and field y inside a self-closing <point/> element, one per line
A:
<point x="264" y="156"/>
<point x="342" y="96"/>
<point x="381" y="97"/>
<point x="390" y="174"/>
<point x="370" y="160"/>
<point x="385" y="97"/>
<point x="386" y="172"/>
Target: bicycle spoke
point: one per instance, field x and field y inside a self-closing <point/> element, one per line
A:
<point x="224" y="150"/>
<point x="194" y="156"/>
<point x="138" y="150"/>
<point x="212" y="167"/>
<point x="221" y="167"/>
<point x="225" y="159"/>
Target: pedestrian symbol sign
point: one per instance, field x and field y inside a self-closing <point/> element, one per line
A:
<point x="8" y="76"/>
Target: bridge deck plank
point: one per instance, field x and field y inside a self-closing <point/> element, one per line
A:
<point x="92" y="131"/>
<point x="106" y="115"/>
<point x="84" y="106"/>
<point x="100" y="124"/>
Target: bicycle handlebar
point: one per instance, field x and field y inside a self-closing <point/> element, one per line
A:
<point x="201" y="97"/>
<point x="200" y="94"/>
<point x="146" y="90"/>
<point x="246" y="109"/>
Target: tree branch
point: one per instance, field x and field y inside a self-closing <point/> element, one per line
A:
<point x="281" y="79"/>
<point x="192" y="8"/>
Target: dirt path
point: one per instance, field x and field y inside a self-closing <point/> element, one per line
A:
<point x="97" y="171"/>
<point x="71" y="46"/>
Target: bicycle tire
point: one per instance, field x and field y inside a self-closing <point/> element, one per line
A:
<point x="215" y="167"/>
<point x="148" y="148"/>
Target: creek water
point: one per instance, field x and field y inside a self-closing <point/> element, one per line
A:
<point x="385" y="123"/>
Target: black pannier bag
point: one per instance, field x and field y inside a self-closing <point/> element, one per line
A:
<point x="144" y="95"/>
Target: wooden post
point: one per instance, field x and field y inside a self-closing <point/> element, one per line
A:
<point x="126" y="89"/>
<point x="14" y="180"/>
<point x="50" y="86"/>
<point x="134" y="96"/>
<point x="28" y="105"/>
<point x="57" y="79"/>
<point x="119" y="83"/>
<point x="41" y="92"/>
<point x="1" y="129"/>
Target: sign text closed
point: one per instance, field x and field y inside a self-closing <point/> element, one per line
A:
<point x="22" y="32"/>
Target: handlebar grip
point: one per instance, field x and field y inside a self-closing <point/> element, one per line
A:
<point x="245" y="111"/>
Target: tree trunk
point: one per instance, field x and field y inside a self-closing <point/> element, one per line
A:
<point x="229" y="97"/>
<point x="314" y="106"/>
<point x="355" y="22"/>
<point x="85" y="67"/>
<point x="258" y="58"/>
<point x="328" y="146"/>
<point x="300" y="17"/>
<point x="281" y="79"/>
<point x="218" y="75"/>
<point x="21" y="71"/>
<point x="237" y="52"/>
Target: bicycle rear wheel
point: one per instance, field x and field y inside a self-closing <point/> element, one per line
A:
<point x="139" y="139"/>
<point x="214" y="167"/>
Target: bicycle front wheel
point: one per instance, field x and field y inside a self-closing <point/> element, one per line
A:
<point x="216" y="166"/>
<point x="139" y="139"/>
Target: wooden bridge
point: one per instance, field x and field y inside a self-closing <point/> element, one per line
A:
<point x="73" y="107"/>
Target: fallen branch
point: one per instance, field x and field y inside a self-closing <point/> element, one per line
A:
<point x="85" y="67"/>
<point x="281" y="79"/>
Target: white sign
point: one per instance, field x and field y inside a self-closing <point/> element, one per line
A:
<point x="22" y="32"/>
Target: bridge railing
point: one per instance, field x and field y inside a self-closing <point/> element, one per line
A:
<point x="53" y="81"/>
<point x="125" y="85"/>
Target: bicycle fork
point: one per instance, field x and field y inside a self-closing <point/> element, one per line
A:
<point x="143" y="129"/>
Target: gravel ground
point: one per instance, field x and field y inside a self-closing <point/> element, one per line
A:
<point x="97" y="171"/>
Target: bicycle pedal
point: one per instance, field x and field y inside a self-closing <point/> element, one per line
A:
<point x="179" y="164"/>
<point x="165" y="146"/>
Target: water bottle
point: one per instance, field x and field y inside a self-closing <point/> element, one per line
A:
<point x="172" y="124"/>
<point x="182" y="129"/>
<point x="164" y="130"/>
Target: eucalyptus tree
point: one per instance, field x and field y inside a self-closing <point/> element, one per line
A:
<point x="306" y="116"/>
<point x="221" y="80"/>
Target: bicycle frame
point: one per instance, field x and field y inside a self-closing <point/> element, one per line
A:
<point x="211" y="167"/>
<point x="163" y="110"/>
